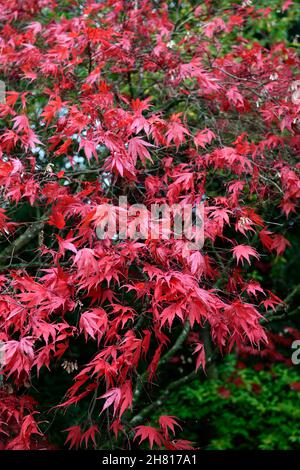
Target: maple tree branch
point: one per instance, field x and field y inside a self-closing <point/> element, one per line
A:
<point x="284" y="306"/>
<point x="129" y="81"/>
<point x="27" y="265"/>
<point x="212" y="372"/>
<point x="177" y="345"/>
<point x="159" y="401"/>
<point x="144" y="412"/>
<point x="141" y="319"/>
<point x="89" y="51"/>
<point x="184" y="19"/>
<point x="294" y="312"/>
<point x="30" y="233"/>
<point x="272" y="182"/>
<point x="291" y="295"/>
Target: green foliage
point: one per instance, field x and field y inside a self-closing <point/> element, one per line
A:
<point x="243" y="409"/>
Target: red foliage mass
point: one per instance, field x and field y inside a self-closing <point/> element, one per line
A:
<point x="146" y="143"/>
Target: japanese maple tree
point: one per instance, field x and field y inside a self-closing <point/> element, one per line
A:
<point x="161" y="102"/>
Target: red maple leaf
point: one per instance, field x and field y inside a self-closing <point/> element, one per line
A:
<point x="201" y="356"/>
<point x="93" y="323"/>
<point x="149" y="433"/>
<point x="167" y="422"/>
<point x="74" y="436"/>
<point x="243" y="252"/>
<point x="137" y="147"/>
